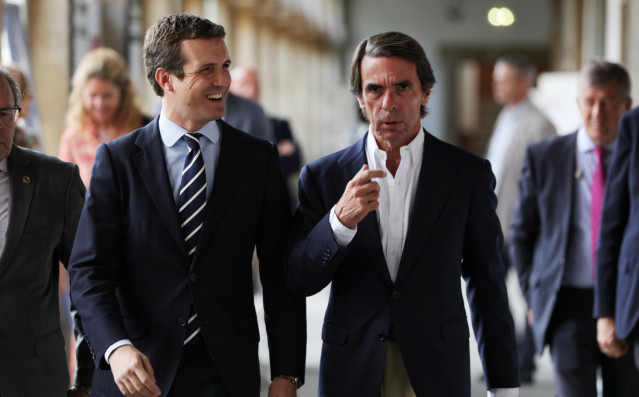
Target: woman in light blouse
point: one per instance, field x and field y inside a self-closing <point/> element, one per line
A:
<point x="101" y="108"/>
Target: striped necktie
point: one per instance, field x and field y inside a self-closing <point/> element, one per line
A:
<point x="192" y="209"/>
<point x="192" y="199"/>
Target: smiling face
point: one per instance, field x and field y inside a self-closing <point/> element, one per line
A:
<point x="101" y="100"/>
<point x="199" y="97"/>
<point x="391" y="97"/>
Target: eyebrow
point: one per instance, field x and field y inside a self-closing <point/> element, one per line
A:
<point x="403" y="82"/>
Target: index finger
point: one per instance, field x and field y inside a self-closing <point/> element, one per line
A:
<point x="365" y="175"/>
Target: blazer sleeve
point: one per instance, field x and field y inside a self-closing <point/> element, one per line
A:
<point x="95" y="261"/>
<point x="483" y="270"/>
<point x="313" y="255"/>
<point x="614" y="218"/>
<point x="72" y="210"/>
<point x="284" y="312"/>
<point x="524" y="227"/>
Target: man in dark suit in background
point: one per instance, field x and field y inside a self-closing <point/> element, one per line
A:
<point x="554" y="232"/>
<point x="161" y="266"/>
<point x="393" y="222"/>
<point x="40" y="203"/>
<point x="617" y="289"/>
<point x="246" y="84"/>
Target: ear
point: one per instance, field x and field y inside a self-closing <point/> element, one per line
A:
<point x="425" y="98"/>
<point x="361" y="103"/>
<point x="164" y="79"/>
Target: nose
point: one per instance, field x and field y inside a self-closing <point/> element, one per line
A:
<point x="597" y="109"/>
<point x="389" y="100"/>
<point x="222" y="78"/>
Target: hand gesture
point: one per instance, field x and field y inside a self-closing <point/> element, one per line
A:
<point x="360" y="197"/>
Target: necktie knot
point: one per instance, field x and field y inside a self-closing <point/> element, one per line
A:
<point x="192" y="140"/>
<point x="600" y="153"/>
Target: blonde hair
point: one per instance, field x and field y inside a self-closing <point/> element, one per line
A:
<point x="104" y="64"/>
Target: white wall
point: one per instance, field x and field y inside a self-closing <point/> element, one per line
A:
<point x="428" y="22"/>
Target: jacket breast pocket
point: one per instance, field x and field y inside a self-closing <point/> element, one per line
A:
<point x="32" y="236"/>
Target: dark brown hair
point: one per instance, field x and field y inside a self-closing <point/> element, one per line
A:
<point x="162" y="43"/>
<point x="392" y="44"/>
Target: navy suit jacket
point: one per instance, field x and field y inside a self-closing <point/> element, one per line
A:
<point x="617" y="289"/>
<point x="540" y="227"/>
<point x="131" y="277"/>
<point x="453" y="232"/>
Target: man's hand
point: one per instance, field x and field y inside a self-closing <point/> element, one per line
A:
<point x="281" y="387"/>
<point x="133" y="373"/>
<point x="530" y="317"/>
<point x="608" y="342"/>
<point x="360" y="197"/>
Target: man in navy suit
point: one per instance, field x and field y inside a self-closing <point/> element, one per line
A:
<point x="163" y="319"/>
<point x="617" y="289"/>
<point x="394" y="221"/>
<point x="553" y="238"/>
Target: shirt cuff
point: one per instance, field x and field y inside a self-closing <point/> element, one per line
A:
<point x="506" y="392"/>
<point x="115" y="346"/>
<point x="342" y="234"/>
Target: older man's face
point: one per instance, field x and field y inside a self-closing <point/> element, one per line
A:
<point x="600" y="108"/>
<point x="391" y="97"/>
<point x="7" y="120"/>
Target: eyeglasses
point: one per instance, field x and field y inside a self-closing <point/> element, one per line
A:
<point x="9" y="114"/>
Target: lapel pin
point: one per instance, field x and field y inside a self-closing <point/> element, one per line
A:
<point x="26" y="179"/>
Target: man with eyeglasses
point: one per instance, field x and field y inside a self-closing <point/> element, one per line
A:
<point x="41" y="199"/>
<point x="554" y="236"/>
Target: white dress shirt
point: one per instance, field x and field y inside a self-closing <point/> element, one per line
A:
<point x="396" y="198"/>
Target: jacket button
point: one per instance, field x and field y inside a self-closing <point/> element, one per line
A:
<point x="181" y="322"/>
<point x="193" y="277"/>
<point x="396" y="294"/>
<point x="381" y="336"/>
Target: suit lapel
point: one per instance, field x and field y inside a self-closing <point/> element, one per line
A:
<point x="435" y="180"/>
<point x="151" y="165"/>
<point x="368" y="238"/>
<point x="229" y="169"/>
<point x="22" y="182"/>
<point x="565" y="168"/>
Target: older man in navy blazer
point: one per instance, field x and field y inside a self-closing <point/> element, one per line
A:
<point x="166" y="303"/>
<point x="553" y="238"/>
<point x="394" y="221"/>
<point x="617" y="291"/>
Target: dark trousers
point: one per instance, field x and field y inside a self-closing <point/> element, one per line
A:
<point x="197" y="374"/>
<point x="572" y="334"/>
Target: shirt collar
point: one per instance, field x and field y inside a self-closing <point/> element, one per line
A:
<point x="585" y="144"/>
<point x="171" y="132"/>
<point x="3" y="165"/>
<point x="374" y="153"/>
